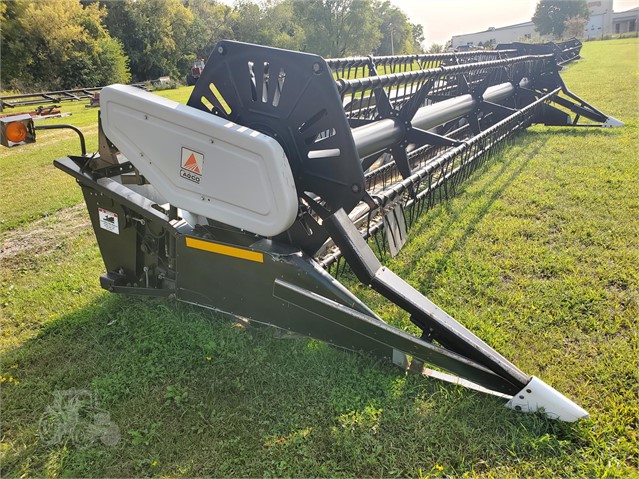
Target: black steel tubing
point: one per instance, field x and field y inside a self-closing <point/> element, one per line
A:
<point x="390" y="194"/>
<point x="404" y="185"/>
<point x="433" y="115"/>
<point x="83" y="147"/>
<point x="377" y="136"/>
<point x="380" y="135"/>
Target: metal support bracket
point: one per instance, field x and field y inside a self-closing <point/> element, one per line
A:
<point x="446" y="331"/>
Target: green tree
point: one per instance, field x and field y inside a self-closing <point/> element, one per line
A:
<point x="436" y="48"/>
<point x="574" y="27"/>
<point x="281" y="27"/>
<point x="418" y="37"/>
<point x="397" y="32"/>
<point x="212" y="21"/>
<point x="61" y="44"/>
<point x="248" y="22"/>
<point x="337" y="28"/>
<point x="550" y="15"/>
<point x="272" y="23"/>
<point x="156" y="35"/>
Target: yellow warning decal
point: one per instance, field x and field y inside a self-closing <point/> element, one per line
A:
<point x="225" y="250"/>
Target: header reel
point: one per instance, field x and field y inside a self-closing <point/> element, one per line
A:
<point x="283" y="164"/>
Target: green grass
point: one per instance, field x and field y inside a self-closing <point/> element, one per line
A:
<point x="537" y="254"/>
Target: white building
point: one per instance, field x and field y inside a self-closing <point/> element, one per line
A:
<point x="600" y="22"/>
<point x="603" y="21"/>
<point x="511" y="33"/>
<point x="625" y="22"/>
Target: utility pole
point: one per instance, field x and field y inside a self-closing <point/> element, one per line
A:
<point x="390" y="26"/>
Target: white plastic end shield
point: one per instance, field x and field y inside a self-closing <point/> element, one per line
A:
<point x="200" y="162"/>
<point x="539" y="395"/>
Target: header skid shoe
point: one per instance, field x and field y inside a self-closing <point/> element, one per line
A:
<point x="283" y="165"/>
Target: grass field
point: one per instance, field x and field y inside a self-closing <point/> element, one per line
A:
<point x="537" y="254"/>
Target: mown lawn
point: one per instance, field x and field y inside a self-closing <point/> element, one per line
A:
<point x="537" y="253"/>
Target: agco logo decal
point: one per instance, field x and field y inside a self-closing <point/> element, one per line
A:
<point x="191" y="165"/>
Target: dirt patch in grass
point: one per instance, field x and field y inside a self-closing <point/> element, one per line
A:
<point x="42" y="236"/>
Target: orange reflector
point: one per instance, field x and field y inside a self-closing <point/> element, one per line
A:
<point x="16" y="132"/>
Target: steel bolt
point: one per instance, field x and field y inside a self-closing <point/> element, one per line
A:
<point x="317" y="67"/>
<point x="220" y="50"/>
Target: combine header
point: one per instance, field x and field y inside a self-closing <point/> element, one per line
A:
<point x="564" y="52"/>
<point x="280" y="168"/>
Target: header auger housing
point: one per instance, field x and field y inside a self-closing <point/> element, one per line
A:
<point x="283" y="164"/>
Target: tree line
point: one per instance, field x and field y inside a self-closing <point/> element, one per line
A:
<point x="82" y="43"/>
<point x="561" y="18"/>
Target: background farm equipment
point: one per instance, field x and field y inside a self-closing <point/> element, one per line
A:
<point x="42" y="112"/>
<point x="41" y="98"/>
<point x="283" y="165"/>
<point x="94" y="101"/>
<point x="196" y="70"/>
<point x="11" y="101"/>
